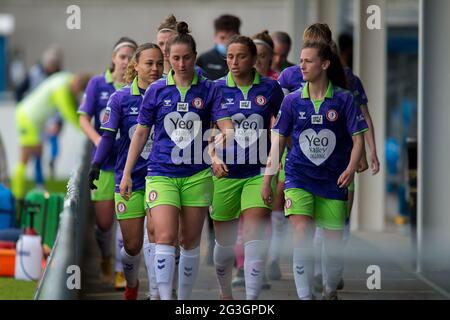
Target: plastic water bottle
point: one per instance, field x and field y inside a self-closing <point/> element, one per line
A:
<point x="28" y="257"/>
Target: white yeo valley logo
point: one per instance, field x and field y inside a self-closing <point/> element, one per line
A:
<point x="317" y="147"/>
<point x="182" y="129"/>
<point x="247" y="130"/>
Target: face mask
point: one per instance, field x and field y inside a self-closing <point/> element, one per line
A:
<point x="221" y="48"/>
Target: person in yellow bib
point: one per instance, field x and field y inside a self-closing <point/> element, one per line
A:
<point x="58" y="93"/>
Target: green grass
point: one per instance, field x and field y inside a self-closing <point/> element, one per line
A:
<point x="11" y="289"/>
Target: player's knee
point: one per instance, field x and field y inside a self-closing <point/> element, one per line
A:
<point x="301" y="230"/>
<point x="166" y="238"/>
<point x="133" y="247"/>
<point x="104" y="226"/>
<point x="189" y="242"/>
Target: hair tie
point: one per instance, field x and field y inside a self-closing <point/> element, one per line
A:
<point x="124" y="44"/>
<point x="166" y="30"/>
<point x="259" y="41"/>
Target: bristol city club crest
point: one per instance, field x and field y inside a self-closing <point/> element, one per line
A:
<point x="332" y="115"/>
<point x="152" y="195"/>
<point x="261" y="100"/>
<point x="198" y="103"/>
<point x="121" y="207"/>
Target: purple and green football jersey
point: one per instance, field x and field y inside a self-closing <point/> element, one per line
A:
<point x="251" y="110"/>
<point x="180" y="117"/>
<point x="94" y="102"/>
<point x="321" y="139"/>
<point x="121" y="117"/>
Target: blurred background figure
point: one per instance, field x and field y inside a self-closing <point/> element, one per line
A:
<point x="50" y="63"/>
<point x="17" y="69"/>
<point x="281" y="47"/>
<point x="213" y="62"/>
<point x="265" y="47"/>
<point x="58" y="93"/>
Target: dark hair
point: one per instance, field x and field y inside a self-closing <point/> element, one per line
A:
<point x="318" y="32"/>
<point x="345" y="42"/>
<point x="131" y="73"/>
<point x="170" y="22"/>
<point x="182" y="36"/>
<point x="227" y="22"/>
<point x="246" y="41"/>
<point x="335" y="71"/>
<point x="282" y="37"/>
<point x="264" y="36"/>
<point x="132" y="44"/>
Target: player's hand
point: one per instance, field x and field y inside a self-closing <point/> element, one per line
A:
<point x="374" y="164"/>
<point x="126" y="185"/>
<point x="362" y="165"/>
<point x="266" y="193"/>
<point x="346" y="178"/>
<point x="220" y="169"/>
<point x="94" y="174"/>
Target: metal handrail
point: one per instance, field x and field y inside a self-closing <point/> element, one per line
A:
<point x="69" y="241"/>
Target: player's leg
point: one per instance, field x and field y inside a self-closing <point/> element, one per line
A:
<point x="130" y="215"/>
<point x="256" y="220"/>
<point x="163" y="198"/>
<point x="196" y="195"/>
<point x="226" y="210"/>
<point x="103" y="198"/>
<point x="331" y="215"/>
<point x="300" y="210"/>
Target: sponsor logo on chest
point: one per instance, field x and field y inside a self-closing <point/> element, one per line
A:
<point x="245" y="104"/>
<point x="317" y="119"/>
<point x="317" y="147"/>
<point x="182" y="107"/>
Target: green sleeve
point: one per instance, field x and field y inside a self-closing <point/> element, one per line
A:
<point x="66" y="104"/>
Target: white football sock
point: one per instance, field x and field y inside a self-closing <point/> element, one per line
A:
<point x="154" y="293"/>
<point x="317" y="246"/>
<point x="164" y="265"/>
<point x="279" y="227"/>
<point x="188" y="270"/>
<point x="303" y="263"/>
<point x="119" y="246"/>
<point x="223" y="261"/>
<point x="334" y="263"/>
<point x="254" y="267"/>
<point x="149" y="256"/>
<point x="130" y="267"/>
